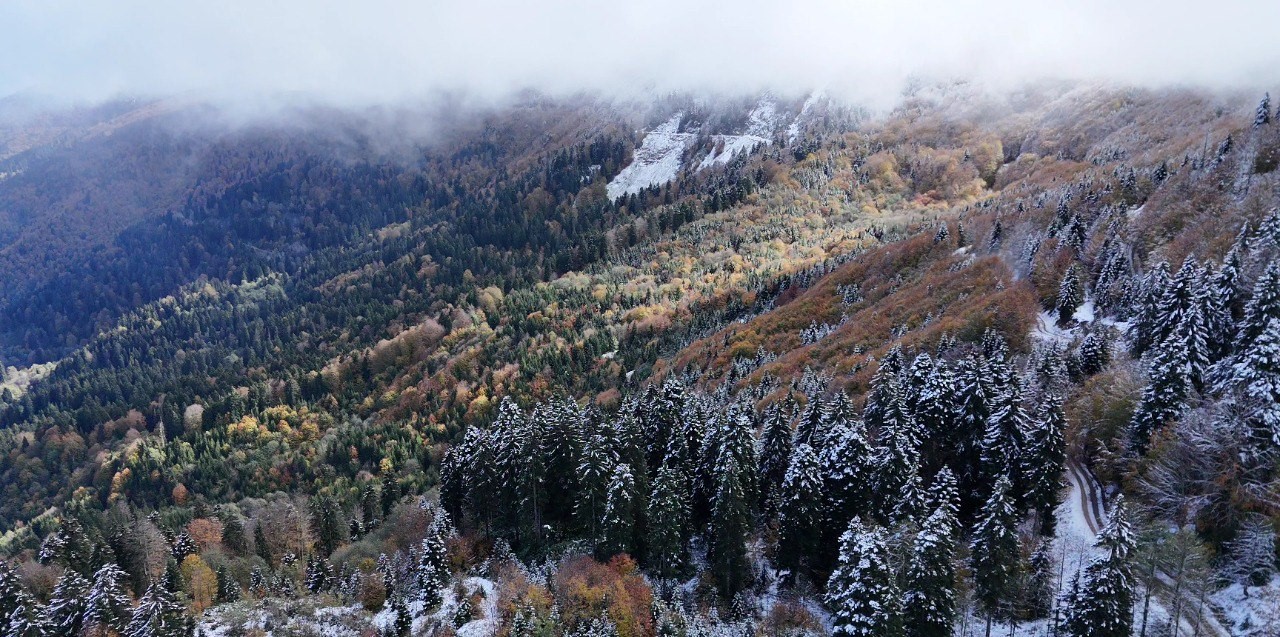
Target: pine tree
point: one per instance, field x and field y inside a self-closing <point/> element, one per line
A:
<point x="1046" y="461"/>
<point x="1102" y="606"/>
<point x="158" y="614"/>
<point x="107" y="606"/>
<point x="800" y="512"/>
<point x="1263" y="114"/>
<point x="1263" y="307"/>
<point x="994" y="551"/>
<point x="930" y="598"/>
<point x="11" y="593"/>
<point x="1144" y="324"/>
<point x="775" y="451"/>
<point x="730" y="524"/>
<point x="64" y="614"/>
<point x="403" y="622"/>
<point x="233" y="535"/>
<point x="1041" y="584"/>
<point x="861" y="593"/>
<point x="1163" y="398"/>
<point x="668" y="513"/>
<point x="23" y="621"/>
<point x="326" y="522"/>
<point x="1095" y="352"/>
<point x="261" y="546"/>
<point x="183" y="546"/>
<point x="619" y="521"/>
<point x="1253" y="553"/>
<point x="228" y="587"/>
<point x="594" y="472"/>
<point x="1004" y="441"/>
<point x="1070" y="295"/>
<point x="847" y="466"/>
<point x="433" y="560"/>
<point x="1256" y="376"/>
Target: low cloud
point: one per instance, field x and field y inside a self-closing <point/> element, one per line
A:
<point x="377" y="51"/>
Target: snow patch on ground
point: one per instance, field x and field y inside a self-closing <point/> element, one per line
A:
<point x="1257" y="614"/>
<point x="655" y="162"/>
<point x="1047" y="330"/>
<point x="761" y="124"/>
<point x="793" y="130"/>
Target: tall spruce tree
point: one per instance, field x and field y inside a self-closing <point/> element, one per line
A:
<point x="1070" y="295"/>
<point x="775" y="451"/>
<point x="994" y="552"/>
<point x="668" y="513"/>
<point x="432" y="573"/>
<point x="847" y="466"/>
<point x="1045" y="461"/>
<point x="730" y="525"/>
<point x="1102" y="605"/>
<point x="618" y="524"/>
<point x="930" y="600"/>
<point x="64" y="614"/>
<point x="108" y="606"/>
<point x="800" y="513"/>
<point x="862" y="593"/>
<point x="1164" y="396"/>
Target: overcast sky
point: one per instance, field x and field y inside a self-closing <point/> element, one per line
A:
<point x="376" y="51"/>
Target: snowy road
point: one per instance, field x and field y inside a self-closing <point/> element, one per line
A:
<point x="1089" y="511"/>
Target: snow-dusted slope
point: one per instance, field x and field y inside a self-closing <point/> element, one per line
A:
<point x="793" y="129"/>
<point x="655" y="162"/>
<point x="761" y="123"/>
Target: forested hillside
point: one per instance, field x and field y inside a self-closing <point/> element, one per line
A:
<point x="760" y="366"/>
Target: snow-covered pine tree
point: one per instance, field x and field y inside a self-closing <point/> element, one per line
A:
<point x="1253" y="553"/>
<point x="1045" y="461"/>
<point x="1255" y="377"/>
<point x="1263" y="307"/>
<point x="1262" y="116"/>
<point x="975" y="396"/>
<point x="1070" y="295"/>
<point x="667" y="514"/>
<point x="862" y="595"/>
<point x="994" y="551"/>
<point x="158" y="614"/>
<point x="809" y="426"/>
<point x="897" y="472"/>
<point x="1164" y="396"/>
<point x="930" y="599"/>
<point x="1004" y="441"/>
<point x="228" y="587"/>
<point x="1095" y="352"/>
<point x="618" y="522"/>
<point x="432" y="572"/>
<point x="64" y="614"/>
<point x="847" y="466"/>
<point x="183" y="546"/>
<point x="1144" y="323"/>
<point x="12" y="593"/>
<point x="107" y="606"/>
<point x="885" y="389"/>
<point x="1102" y="606"/>
<point x="594" y="471"/>
<point x="1042" y="580"/>
<point x="730" y="524"/>
<point x="23" y="621"/>
<point x="800" y="512"/>
<point x="938" y="418"/>
<point x="775" y="451"/>
<point x="455" y="474"/>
